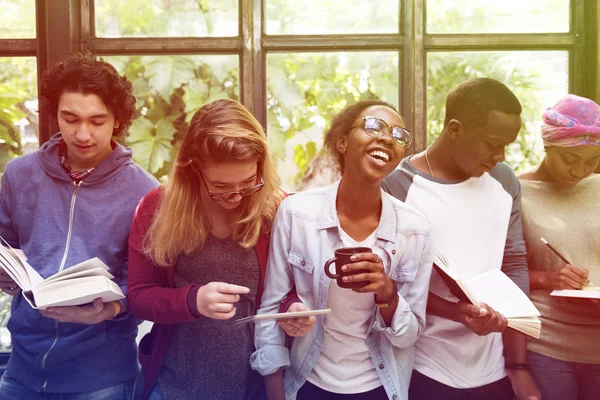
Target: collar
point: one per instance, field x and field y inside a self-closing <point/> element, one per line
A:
<point x="386" y="230"/>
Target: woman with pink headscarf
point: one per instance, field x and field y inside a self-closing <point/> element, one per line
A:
<point x="560" y="203"/>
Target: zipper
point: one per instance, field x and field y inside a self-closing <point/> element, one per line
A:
<point x="71" y="213"/>
<point x="62" y="265"/>
<point x="47" y="353"/>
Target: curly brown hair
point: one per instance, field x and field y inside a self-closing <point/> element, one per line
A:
<point x="85" y="73"/>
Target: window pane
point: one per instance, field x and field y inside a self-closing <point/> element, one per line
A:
<point x="18" y="108"/>
<point x="5" y="342"/>
<point x="508" y="16"/>
<point x="166" y="18"/>
<point x="538" y="79"/>
<point x="305" y="92"/>
<point x="17" y="19"/>
<point x="169" y="90"/>
<point x="308" y="17"/>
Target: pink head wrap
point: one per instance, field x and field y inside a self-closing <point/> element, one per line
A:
<point x="573" y="121"/>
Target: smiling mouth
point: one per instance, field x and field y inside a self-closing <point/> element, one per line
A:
<point x="379" y="155"/>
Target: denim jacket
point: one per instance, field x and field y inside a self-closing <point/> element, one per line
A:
<point x="305" y="234"/>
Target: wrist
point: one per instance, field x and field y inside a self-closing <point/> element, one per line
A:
<point x="542" y="280"/>
<point x="114" y="308"/>
<point x="514" y="366"/>
<point x="388" y="296"/>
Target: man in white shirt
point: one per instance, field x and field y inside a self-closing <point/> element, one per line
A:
<point x="472" y="199"/>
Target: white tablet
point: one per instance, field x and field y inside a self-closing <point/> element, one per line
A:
<point x="293" y="314"/>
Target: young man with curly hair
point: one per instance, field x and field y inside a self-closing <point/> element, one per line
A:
<point x="72" y="200"/>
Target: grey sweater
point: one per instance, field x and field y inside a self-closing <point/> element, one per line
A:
<point x="209" y="358"/>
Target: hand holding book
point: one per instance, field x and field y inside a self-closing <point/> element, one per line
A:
<point x="497" y="293"/>
<point x="481" y="320"/>
<point x="87" y="314"/>
<point x="73" y="286"/>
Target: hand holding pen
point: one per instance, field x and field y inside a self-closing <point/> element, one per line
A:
<point x="568" y="277"/>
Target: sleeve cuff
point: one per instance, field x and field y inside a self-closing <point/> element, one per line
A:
<point x="394" y="328"/>
<point x="291" y="299"/>
<point x="124" y="314"/>
<point x="192" y="304"/>
<point x="268" y="360"/>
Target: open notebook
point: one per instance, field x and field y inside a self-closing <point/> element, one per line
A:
<point x="77" y="285"/>
<point x="587" y="292"/>
<point x="498" y="291"/>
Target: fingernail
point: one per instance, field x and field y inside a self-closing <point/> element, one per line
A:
<point x="345" y="278"/>
<point x="344" y="268"/>
<point x="353" y="258"/>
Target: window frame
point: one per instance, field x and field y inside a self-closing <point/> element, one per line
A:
<point x="68" y="25"/>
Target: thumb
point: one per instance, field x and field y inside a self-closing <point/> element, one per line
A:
<point x="98" y="305"/>
<point x="473" y="310"/>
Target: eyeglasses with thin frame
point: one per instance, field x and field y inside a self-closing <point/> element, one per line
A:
<point x="224" y="196"/>
<point x="376" y="127"/>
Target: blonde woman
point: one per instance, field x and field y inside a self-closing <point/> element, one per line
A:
<point x="198" y="253"/>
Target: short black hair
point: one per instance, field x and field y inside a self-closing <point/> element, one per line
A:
<point x="344" y="121"/>
<point x="471" y="101"/>
<point x="86" y="74"/>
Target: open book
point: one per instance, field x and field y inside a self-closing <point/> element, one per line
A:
<point x="77" y="285"/>
<point x="496" y="290"/>
<point x="587" y="292"/>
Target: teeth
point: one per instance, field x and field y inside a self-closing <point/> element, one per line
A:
<point x="380" y="155"/>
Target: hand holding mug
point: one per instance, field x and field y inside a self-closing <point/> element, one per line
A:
<point x="368" y="269"/>
<point x="342" y="258"/>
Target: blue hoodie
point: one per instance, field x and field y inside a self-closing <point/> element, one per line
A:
<point x="58" y="225"/>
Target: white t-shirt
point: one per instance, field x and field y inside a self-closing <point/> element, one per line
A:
<point x="477" y="223"/>
<point x="345" y="365"/>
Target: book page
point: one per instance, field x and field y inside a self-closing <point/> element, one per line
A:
<point x="77" y="291"/>
<point x="441" y="265"/>
<point x="499" y="292"/>
<point x="529" y="326"/>
<point x="13" y="266"/>
<point x="93" y="264"/>
<point x="77" y="274"/>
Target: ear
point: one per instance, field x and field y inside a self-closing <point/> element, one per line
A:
<point x="455" y="128"/>
<point x="342" y="143"/>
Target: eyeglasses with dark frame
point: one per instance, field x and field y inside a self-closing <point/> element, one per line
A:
<point x="376" y="127"/>
<point x="225" y="196"/>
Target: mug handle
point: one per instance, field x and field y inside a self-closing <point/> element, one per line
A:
<point x="327" y="271"/>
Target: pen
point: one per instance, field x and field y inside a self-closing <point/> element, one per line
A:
<point x="555" y="251"/>
<point x="558" y="254"/>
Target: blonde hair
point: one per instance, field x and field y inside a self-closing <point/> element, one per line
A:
<point x="221" y="131"/>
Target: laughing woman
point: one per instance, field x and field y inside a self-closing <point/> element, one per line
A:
<point x="198" y="250"/>
<point x="364" y="348"/>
